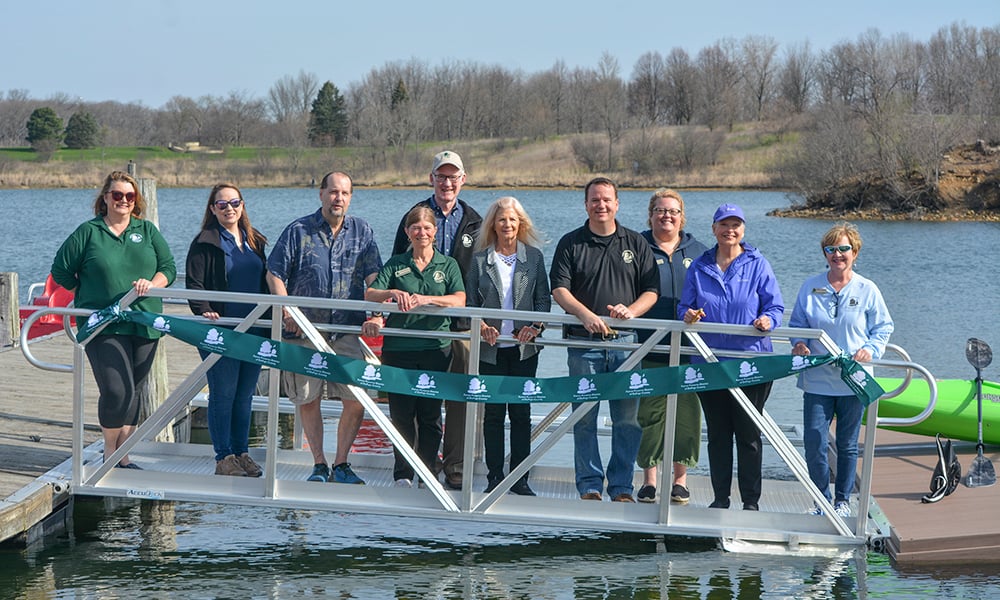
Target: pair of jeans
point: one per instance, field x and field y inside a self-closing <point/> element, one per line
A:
<point x="625" y="430"/>
<point x="231" y="384"/>
<point x="818" y="412"/>
<point x="508" y="363"/>
<point x="725" y="419"/>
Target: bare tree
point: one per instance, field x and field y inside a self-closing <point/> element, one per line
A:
<point x="796" y="78"/>
<point x="646" y="93"/>
<point x="288" y="103"/>
<point x="681" y="86"/>
<point x="14" y="112"/>
<point x="758" y="72"/>
<point x="720" y="78"/>
<point x="608" y="100"/>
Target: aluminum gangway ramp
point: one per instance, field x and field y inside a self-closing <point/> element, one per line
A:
<point x="185" y="471"/>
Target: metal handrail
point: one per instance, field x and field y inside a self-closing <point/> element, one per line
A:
<point x="665" y="337"/>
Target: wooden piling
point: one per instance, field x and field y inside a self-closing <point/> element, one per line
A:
<point x="10" y="310"/>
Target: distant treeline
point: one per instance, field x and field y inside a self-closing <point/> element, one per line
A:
<point x="889" y="104"/>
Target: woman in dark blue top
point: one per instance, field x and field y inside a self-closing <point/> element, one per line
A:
<point x="228" y="255"/>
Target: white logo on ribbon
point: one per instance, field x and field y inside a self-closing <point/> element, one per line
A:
<point x="214" y="337"/>
<point x="799" y="362"/>
<point x="267" y="350"/>
<point x="476" y="386"/>
<point x="372" y="373"/>
<point x="638" y="381"/>
<point x="161" y="324"/>
<point x="425" y="382"/>
<point x="317" y="362"/>
<point x="748" y="369"/>
<point x="531" y="388"/>
<point x="693" y="375"/>
<point x="860" y="377"/>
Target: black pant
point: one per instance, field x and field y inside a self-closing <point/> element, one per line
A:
<point x="508" y="363"/>
<point x="417" y="419"/>
<point x="725" y="419"/>
<point x="120" y="364"/>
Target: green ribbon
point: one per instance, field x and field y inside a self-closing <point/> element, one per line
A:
<point x="695" y="377"/>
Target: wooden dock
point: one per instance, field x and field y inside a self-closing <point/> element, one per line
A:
<point x="35" y="436"/>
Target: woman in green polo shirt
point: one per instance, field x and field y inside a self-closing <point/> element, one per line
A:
<point x="412" y="279"/>
<point x="103" y="259"/>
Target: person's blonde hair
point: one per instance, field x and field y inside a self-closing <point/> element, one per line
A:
<point x="843" y="228"/>
<point x="526" y="232"/>
<point x="666" y="193"/>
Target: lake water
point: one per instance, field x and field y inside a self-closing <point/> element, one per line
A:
<point x="933" y="276"/>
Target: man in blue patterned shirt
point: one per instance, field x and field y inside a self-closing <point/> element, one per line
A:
<point x="327" y="254"/>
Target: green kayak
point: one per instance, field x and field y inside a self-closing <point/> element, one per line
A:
<point x="954" y="416"/>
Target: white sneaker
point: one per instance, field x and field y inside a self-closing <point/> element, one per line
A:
<point x="843" y="509"/>
<point x="815" y="511"/>
<point x="404" y="483"/>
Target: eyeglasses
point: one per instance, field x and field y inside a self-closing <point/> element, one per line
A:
<point x="444" y="178"/>
<point x="831" y="249"/>
<point x="222" y="204"/>
<point x="673" y="212"/>
<point x="117" y="196"/>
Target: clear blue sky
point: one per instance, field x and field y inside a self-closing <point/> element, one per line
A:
<point x="150" y="50"/>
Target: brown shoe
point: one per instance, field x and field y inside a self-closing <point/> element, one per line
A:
<point x="624" y="498"/>
<point x="251" y="468"/>
<point x="591" y="496"/>
<point x="229" y="465"/>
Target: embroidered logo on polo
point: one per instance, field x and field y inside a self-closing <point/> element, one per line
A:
<point x="586" y="390"/>
<point x="317" y="366"/>
<point x="628" y="257"/>
<point x="214" y="338"/>
<point x="135" y="238"/>
<point x="638" y="385"/>
<point x="438" y="276"/>
<point x="467" y="240"/>
<point x="161" y="324"/>
<point x="687" y="262"/>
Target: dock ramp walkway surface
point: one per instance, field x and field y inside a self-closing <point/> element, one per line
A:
<point x="185" y="472"/>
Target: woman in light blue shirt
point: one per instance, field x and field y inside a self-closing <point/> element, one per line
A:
<point x="850" y="309"/>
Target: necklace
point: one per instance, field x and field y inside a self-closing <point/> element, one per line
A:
<point x="508" y="259"/>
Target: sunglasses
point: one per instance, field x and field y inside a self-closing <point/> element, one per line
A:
<point x="117" y="196"/>
<point x="222" y="204"/>
<point x="831" y="249"/>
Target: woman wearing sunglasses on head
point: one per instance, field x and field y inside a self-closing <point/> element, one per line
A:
<point x="228" y="256"/>
<point x="850" y="309"/>
<point x="103" y="259"/>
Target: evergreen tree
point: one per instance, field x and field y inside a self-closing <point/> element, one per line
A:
<point x="82" y="131"/>
<point x="328" y="118"/>
<point x="45" y="130"/>
<point x="399" y="95"/>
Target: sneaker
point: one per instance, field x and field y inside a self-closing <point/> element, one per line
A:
<point x="230" y="466"/>
<point x="647" y="494"/>
<point x="403" y="483"/>
<point x="252" y="468"/>
<point x="679" y="494"/>
<point x="320" y="473"/>
<point x="343" y="473"/>
<point x="815" y="511"/>
<point x="843" y="509"/>
<point x="719" y="503"/>
<point x="131" y="465"/>
<point x="591" y="495"/>
<point x="624" y="497"/>
<point x="750" y="506"/>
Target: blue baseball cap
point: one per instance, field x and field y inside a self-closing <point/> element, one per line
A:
<point x="728" y="210"/>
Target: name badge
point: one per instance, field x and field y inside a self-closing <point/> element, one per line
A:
<point x="819" y="291"/>
<point x="403" y="271"/>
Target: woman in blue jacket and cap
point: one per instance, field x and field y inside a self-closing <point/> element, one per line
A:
<point x="732" y="283"/>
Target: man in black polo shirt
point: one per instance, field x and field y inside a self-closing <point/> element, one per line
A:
<point x="603" y="269"/>
<point x="457" y="228"/>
